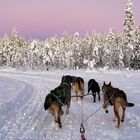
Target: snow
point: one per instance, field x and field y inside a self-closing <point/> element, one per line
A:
<point x="22" y="116"/>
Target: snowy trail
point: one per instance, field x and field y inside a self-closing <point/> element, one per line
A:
<point x="27" y="116"/>
<point x="23" y="116"/>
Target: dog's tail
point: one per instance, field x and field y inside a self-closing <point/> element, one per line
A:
<point x="123" y="95"/>
<point x="129" y="104"/>
<point x="48" y="102"/>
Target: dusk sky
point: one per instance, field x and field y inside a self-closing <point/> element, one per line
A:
<point x="45" y="18"/>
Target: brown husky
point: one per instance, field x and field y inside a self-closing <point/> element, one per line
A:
<point x="78" y="86"/>
<point x="56" y="99"/>
<point x="114" y="96"/>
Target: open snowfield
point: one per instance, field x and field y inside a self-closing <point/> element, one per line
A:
<point x="22" y="116"/>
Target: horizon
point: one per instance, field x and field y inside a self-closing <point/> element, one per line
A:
<point x="41" y="20"/>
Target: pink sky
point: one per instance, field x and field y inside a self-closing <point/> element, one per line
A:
<point x="45" y="18"/>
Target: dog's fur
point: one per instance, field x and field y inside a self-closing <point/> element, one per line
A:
<point x="78" y="86"/>
<point x="93" y="86"/>
<point x="77" y="83"/>
<point x="54" y="103"/>
<point x="117" y="98"/>
<point x="68" y="79"/>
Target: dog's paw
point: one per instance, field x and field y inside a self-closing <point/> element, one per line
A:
<point x="67" y="111"/>
<point x="60" y="125"/>
<point x="114" y="119"/>
<point x="118" y="126"/>
<point x="106" y="111"/>
<point x="122" y="120"/>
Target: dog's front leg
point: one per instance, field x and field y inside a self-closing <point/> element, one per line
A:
<point x="105" y="106"/>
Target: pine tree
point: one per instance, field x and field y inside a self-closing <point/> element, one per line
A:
<point x="5" y="51"/>
<point x="129" y="22"/>
<point x="76" y="49"/>
<point x="128" y="33"/>
<point x="66" y="51"/>
<point x="14" y="44"/>
<point x="135" y="57"/>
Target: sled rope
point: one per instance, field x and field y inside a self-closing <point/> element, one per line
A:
<point x="81" y="95"/>
<point x="82" y="129"/>
<point x="98" y="109"/>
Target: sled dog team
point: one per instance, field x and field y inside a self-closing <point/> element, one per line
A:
<point x="61" y="96"/>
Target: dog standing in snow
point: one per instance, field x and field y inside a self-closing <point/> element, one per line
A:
<point x="56" y="99"/>
<point x="117" y="98"/>
<point x="93" y="86"/>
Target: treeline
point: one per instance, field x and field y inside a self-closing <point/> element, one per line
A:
<point x="72" y="51"/>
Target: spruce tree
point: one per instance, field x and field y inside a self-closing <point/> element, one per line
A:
<point x="135" y="57"/>
<point x="128" y="33"/>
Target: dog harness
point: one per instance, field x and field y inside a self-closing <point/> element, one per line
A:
<point x="60" y="94"/>
<point x="111" y="97"/>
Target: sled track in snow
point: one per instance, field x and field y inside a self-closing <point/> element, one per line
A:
<point x="25" y="121"/>
<point x="30" y="121"/>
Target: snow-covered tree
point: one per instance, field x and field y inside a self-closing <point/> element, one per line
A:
<point x="14" y="44"/>
<point x="88" y="45"/>
<point x="135" y="53"/>
<point x="76" y="49"/>
<point x="66" y="50"/>
<point x="129" y="22"/>
<point x="71" y="51"/>
<point x="5" y="51"/>
<point x="128" y="32"/>
<point x="33" y="56"/>
<point x="47" y="54"/>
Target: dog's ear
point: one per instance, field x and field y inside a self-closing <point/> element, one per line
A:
<point x="104" y="83"/>
<point x="62" y="78"/>
<point x="109" y="83"/>
<point x="51" y="91"/>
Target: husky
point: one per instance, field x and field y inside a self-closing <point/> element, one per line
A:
<point x="117" y="98"/>
<point x="68" y="79"/>
<point x="57" y="98"/>
<point x="78" y="86"/>
<point x="93" y="86"/>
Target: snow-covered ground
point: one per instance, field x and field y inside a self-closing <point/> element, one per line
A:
<point x="22" y="116"/>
